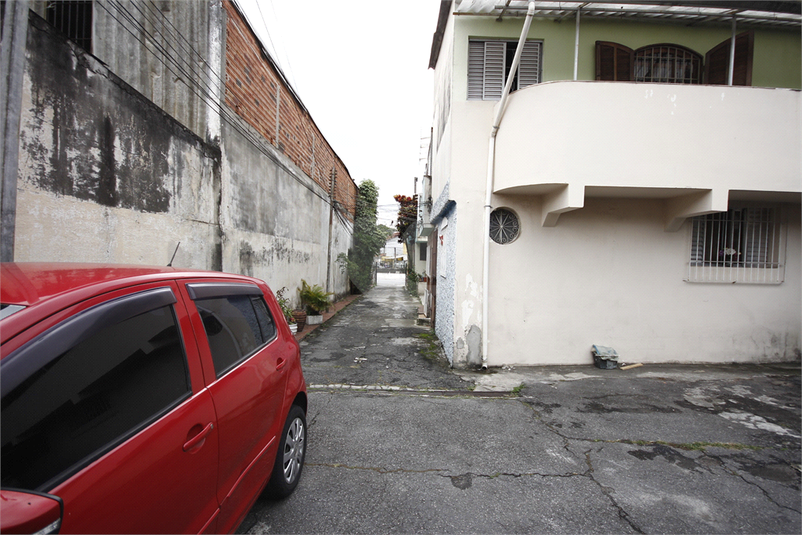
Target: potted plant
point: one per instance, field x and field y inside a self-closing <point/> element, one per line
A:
<point x="286" y="309"/>
<point x="316" y="301"/>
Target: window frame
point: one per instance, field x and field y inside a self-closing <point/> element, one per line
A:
<point x="716" y="241"/>
<point x="74" y="19"/>
<point x="504" y="235"/>
<point x="675" y="54"/>
<point x="46" y="347"/>
<point x="200" y="291"/>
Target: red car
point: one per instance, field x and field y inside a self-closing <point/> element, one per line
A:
<point x="143" y="400"/>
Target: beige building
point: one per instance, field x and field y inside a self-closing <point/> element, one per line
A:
<point x="638" y="196"/>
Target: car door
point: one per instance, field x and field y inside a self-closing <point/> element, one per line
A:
<point x="245" y="369"/>
<point x="108" y="411"/>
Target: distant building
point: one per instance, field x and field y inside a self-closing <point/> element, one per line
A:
<point x="146" y="124"/>
<point x="393" y="255"/>
<point x="640" y="197"/>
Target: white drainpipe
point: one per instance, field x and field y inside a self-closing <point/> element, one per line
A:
<point x="732" y="53"/>
<point x="491" y="158"/>
<point x="576" y="42"/>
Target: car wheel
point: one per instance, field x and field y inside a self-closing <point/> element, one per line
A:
<point x="290" y="456"/>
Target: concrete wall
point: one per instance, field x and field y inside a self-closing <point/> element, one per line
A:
<point x="169" y="51"/>
<point x="106" y="175"/>
<point x="651" y="136"/>
<point x="262" y="236"/>
<point x="609" y="274"/>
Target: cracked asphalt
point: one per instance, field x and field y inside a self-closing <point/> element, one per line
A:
<point x="399" y="443"/>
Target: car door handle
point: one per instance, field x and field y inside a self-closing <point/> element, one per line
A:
<point x="280" y="363"/>
<point x="200" y="437"/>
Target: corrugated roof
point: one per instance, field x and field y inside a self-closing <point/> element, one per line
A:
<point x="776" y="14"/>
<point x="747" y="13"/>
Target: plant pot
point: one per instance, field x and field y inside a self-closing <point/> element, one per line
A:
<point x="314" y="319"/>
<point x="293" y="328"/>
<point x="300" y="319"/>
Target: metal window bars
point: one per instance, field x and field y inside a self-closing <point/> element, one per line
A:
<point x="667" y="64"/>
<point x="73" y="18"/>
<point x="740" y="245"/>
<point x="504" y="226"/>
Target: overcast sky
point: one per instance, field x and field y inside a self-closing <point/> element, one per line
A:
<point x="360" y="68"/>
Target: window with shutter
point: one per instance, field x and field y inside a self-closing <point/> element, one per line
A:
<point x="613" y="62"/>
<point x="717" y="61"/>
<point x="490" y="63"/>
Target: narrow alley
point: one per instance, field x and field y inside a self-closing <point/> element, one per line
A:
<point x="399" y="443"/>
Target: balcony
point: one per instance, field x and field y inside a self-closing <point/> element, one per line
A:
<point x="698" y="147"/>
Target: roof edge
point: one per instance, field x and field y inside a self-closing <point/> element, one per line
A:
<point x="437" y="39"/>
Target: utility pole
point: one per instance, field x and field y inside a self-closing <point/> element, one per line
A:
<point x="12" y="63"/>
<point x="333" y="181"/>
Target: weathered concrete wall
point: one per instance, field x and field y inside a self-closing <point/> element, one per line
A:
<point x="108" y="176"/>
<point x="275" y="219"/>
<point x="104" y="175"/>
<point x="166" y="50"/>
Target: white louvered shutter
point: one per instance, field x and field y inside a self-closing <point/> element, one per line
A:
<point x="476" y="69"/>
<point x="529" y="68"/>
<point x="487" y="63"/>
<point x="494" y="70"/>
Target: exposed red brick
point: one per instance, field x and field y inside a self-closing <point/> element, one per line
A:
<point x="250" y="78"/>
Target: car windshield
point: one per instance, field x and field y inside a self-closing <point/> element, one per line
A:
<point x="6" y="310"/>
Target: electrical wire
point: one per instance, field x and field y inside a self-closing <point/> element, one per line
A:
<point x="200" y="83"/>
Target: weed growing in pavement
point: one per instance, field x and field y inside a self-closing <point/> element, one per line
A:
<point x="432" y="350"/>
<point x="517" y="390"/>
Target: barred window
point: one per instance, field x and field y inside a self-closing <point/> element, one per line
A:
<point x="504" y="226"/>
<point x="74" y="19"/>
<point x="670" y="64"/>
<point x="739" y="245"/>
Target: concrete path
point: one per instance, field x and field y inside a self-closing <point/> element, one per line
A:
<point x="399" y="443"/>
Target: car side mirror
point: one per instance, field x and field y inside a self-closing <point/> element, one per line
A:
<point x="29" y="512"/>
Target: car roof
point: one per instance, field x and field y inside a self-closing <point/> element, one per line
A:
<point x="50" y="287"/>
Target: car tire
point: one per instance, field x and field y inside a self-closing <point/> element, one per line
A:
<point x="290" y="456"/>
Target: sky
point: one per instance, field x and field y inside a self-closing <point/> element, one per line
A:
<point x="361" y="69"/>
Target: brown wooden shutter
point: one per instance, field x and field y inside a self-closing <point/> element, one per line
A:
<point x="717" y="61"/>
<point x="613" y="62"/>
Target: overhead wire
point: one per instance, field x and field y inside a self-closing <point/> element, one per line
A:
<point x="199" y="83"/>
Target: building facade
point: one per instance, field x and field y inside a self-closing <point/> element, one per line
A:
<point x="149" y="124"/>
<point x="640" y="197"/>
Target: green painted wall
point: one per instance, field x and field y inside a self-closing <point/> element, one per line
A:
<point x="777" y="54"/>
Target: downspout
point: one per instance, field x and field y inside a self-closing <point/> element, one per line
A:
<point x="576" y="42"/>
<point x="491" y="158"/>
<point x="732" y="53"/>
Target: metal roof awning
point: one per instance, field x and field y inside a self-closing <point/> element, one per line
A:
<point x="771" y="13"/>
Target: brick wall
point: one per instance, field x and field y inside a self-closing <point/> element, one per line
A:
<point x="255" y="89"/>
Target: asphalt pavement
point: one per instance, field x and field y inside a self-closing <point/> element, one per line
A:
<point x="400" y="443"/>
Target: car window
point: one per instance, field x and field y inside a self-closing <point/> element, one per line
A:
<point x="236" y="326"/>
<point x="87" y="399"/>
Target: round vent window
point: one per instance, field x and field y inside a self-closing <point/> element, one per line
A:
<point x="504" y="226"/>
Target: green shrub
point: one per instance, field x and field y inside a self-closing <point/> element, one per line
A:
<point x="314" y="298"/>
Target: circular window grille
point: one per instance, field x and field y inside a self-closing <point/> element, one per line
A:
<point x="504" y="226"/>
